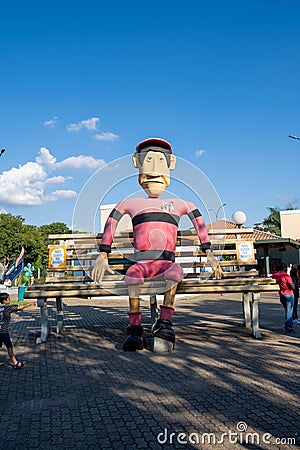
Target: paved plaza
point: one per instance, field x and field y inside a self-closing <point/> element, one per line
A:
<point x="219" y="389"/>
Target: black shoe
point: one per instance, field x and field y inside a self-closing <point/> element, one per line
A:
<point x="134" y="340"/>
<point x="162" y="329"/>
<point x="289" y="330"/>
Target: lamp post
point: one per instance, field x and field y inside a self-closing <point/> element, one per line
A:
<point x="218" y="210"/>
<point x="2" y="151"/>
<point x="239" y="218"/>
<point x="219" y="237"/>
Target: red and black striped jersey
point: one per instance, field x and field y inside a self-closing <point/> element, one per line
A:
<point x="155" y="225"/>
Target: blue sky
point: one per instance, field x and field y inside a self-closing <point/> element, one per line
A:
<point x="83" y="82"/>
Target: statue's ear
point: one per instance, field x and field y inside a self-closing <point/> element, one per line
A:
<point x="172" y="162"/>
<point x="135" y="160"/>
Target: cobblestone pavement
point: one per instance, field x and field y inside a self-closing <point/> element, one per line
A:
<point x="219" y="389"/>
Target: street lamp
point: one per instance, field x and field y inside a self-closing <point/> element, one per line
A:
<point x="2" y="151"/>
<point x="218" y="210"/>
<point x="219" y="237"/>
<point x="239" y="218"/>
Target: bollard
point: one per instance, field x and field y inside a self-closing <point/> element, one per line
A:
<point x="21" y="292"/>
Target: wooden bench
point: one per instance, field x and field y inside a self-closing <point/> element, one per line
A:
<point x="72" y="256"/>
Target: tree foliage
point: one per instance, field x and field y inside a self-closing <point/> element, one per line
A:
<point x="54" y="228"/>
<point x="14" y="235"/>
<point x="10" y="237"/>
<point x="272" y="223"/>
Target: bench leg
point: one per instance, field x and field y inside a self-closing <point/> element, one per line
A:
<point x="255" y="315"/>
<point x="247" y="309"/>
<point x="153" y="306"/>
<point x="44" y="321"/>
<point x="59" y="315"/>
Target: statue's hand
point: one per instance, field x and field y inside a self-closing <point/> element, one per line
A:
<point x="100" y="267"/>
<point x="214" y="264"/>
<point x="218" y="273"/>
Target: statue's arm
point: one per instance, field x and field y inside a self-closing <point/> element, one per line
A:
<point x="101" y="264"/>
<point x="199" y="224"/>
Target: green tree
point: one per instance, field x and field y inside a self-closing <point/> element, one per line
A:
<point x="33" y="244"/>
<point x="54" y="228"/>
<point x="11" y="240"/>
<point x="272" y="223"/>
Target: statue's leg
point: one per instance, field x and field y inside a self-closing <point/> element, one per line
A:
<point x="163" y="335"/>
<point x="134" y="340"/>
<point x="134" y="298"/>
<point x="169" y="297"/>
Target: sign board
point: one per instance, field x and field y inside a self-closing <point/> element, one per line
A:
<point x="57" y="257"/>
<point x="245" y="252"/>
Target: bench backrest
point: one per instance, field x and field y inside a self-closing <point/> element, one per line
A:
<point x="72" y="256"/>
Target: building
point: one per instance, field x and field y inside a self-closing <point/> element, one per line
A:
<point x="271" y="250"/>
<point x="105" y="210"/>
<point x="290" y="224"/>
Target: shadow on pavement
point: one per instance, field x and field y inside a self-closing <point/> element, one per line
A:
<point x="80" y="390"/>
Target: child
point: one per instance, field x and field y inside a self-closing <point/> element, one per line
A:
<point x="5" y="312"/>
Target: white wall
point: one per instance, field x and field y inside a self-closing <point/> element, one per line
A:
<point x="290" y="224"/>
<point x="105" y="210"/>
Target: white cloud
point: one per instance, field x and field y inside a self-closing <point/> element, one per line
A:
<point x="45" y="158"/>
<point x="106" y="137"/>
<point x="200" y="153"/>
<point x="29" y="184"/>
<point x="22" y="185"/>
<point x="51" y="123"/>
<point x="81" y="162"/>
<point x="59" y="179"/>
<point x="89" y="124"/>
<point x="62" y="195"/>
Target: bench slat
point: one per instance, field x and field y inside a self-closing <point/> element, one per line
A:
<point x="146" y="290"/>
<point x="149" y="287"/>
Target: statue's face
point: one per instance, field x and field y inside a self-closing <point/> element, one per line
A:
<point x="154" y="174"/>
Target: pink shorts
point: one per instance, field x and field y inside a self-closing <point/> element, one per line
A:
<point x="151" y="269"/>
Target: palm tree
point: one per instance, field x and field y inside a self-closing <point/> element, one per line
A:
<point x="272" y="223"/>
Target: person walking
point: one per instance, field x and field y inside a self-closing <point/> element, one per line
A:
<point x="5" y="314"/>
<point x="286" y="295"/>
<point x="294" y="276"/>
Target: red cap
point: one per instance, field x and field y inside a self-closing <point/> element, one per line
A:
<point x="156" y="143"/>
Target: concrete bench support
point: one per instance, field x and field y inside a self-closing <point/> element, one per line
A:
<point x="251" y="312"/>
<point x="255" y="314"/>
<point x="153" y="310"/>
<point x="247" y="309"/>
<point x="42" y="303"/>
<point x="59" y="315"/>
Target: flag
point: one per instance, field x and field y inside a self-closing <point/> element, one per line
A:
<point x="14" y="269"/>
